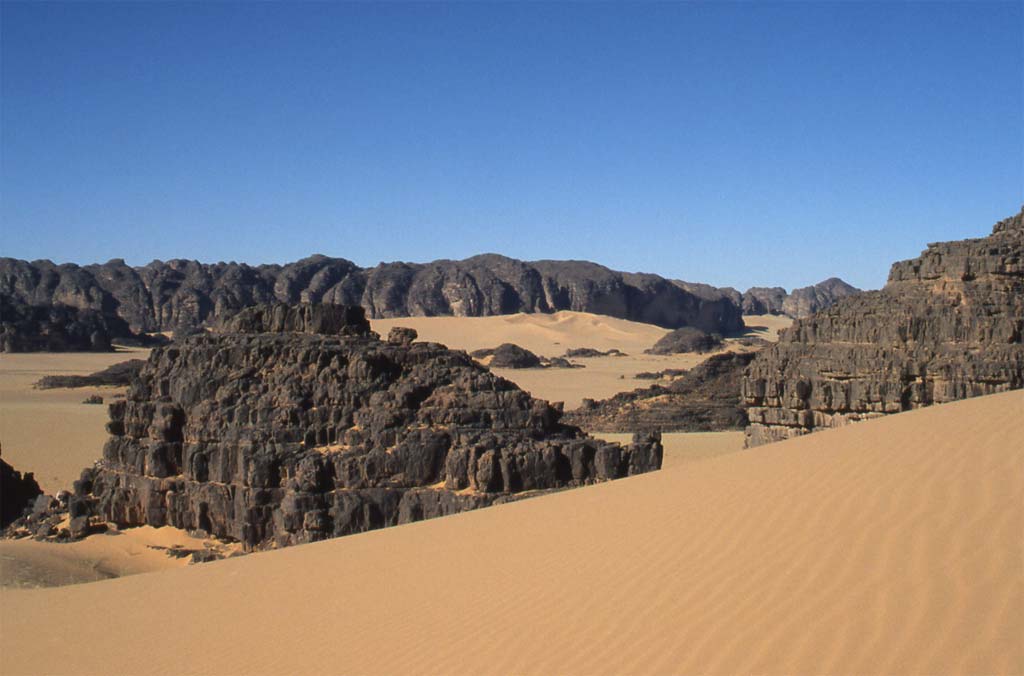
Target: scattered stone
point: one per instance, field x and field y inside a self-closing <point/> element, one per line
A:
<point x="948" y="325"/>
<point x="587" y="352"/>
<point x="93" y="399"/>
<point x="661" y="375"/>
<point x="686" y="339"/>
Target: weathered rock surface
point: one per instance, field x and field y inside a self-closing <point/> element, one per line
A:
<point x="35" y="328"/>
<point x="686" y="339"/>
<point x="589" y="352"/>
<point x="703" y="399"/>
<point x="509" y="356"/>
<point x="801" y="302"/>
<point x="948" y="325"/>
<point x="17" y="493"/>
<point x="299" y="424"/>
<point x="169" y="295"/>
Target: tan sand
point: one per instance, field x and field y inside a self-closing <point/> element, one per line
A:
<point x="550" y="335"/>
<point x="26" y="563"/>
<point x="892" y="546"/>
<point x="685" y="447"/>
<point x="51" y="432"/>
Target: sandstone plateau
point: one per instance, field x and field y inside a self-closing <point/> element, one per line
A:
<point x="297" y="423"/>
<point x="948" y="325"/>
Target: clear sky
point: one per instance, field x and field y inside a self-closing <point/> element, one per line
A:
<point x="734" y="144"/>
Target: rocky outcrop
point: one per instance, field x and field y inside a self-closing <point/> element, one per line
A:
<point x="948" y="325"/>
<point x="703" y="399"/>
<point x="686" y="339"/>
<point x="511" y="356"/>
<point x="298" y="424"/>
<point x="35" y="328"/>
<point x="17" y="493"/>
<point x="165" y="296"/>
<point x="801" y="302"/>
<point x="116" y="375"/>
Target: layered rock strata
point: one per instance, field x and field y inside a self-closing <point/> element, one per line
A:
<point x="948" y="325"/>
<point x="298" y="424"/>
<point x="165" y="296"/>
<point x="802" y="302"/>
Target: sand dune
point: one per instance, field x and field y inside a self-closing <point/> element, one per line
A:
<point x="51" y="432"/>
<point x="892" y="546"/>
<point x="550" y="335"/>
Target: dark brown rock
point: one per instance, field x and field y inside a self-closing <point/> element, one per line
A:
<point x="686" y="339"/>
<point x="176" y="294"/>
<point x="317" y="429"/>
<point x="948" y="325"/>
<point x="18" y="492"/>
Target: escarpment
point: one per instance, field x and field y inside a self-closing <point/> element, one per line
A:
<point x="296" y="424"/>
<point x="166" y="296"/>
<point x="948" y="325"/>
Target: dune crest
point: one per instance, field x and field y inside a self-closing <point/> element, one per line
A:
<point x="893" y="546"/>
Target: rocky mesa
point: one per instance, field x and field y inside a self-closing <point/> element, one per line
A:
<point x="948" y="325"/>
<point x="297" y="423"/>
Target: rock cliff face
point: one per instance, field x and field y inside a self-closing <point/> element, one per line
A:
<point x="948" y="325"/>
<point x="296" y="423"/>
<point x="17" y="493"/>
<point x="169" y="295"/>
<point x="705" y="399"/>
<point x="800" y="303"/>
<point x="35" y="328"/>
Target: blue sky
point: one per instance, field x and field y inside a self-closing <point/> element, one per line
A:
<point x="730" y="143"/>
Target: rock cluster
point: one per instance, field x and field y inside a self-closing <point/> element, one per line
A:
<point x="686" y="339"/>
<point x="948" y="325"/>
<point x="120" y="374"/>
<point x="164" y="296"/>
<point x="36" y="328"/>
<point x="298" y="424"/>
<point x="703" y="399"/>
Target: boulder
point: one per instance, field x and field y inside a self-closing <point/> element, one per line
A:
<point x="686" y="339"/>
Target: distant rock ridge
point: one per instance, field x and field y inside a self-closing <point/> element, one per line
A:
<point x="948" y="325"/>
<point x="298" y="423"/>
<point x="165" y="296"/>
<point x="800" y="303"/>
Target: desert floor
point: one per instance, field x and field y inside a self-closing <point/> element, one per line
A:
<point x="891" y="546"/>
<point x="551" y="335"/>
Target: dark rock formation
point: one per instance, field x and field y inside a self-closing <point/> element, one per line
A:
<point x="586" y="352"/>
<point x="948" y="325"/>
<point x="35" y="328"/>
<point x="299" y="424"/>
<point x="762" y="300"/>
<point x="17" y="493"/>
<point x="659" y="375"/>
<point x="800" y="303"/>
<point x="165" y="296"/>
<point x="509" y="356"/>
<point x="686" y="339"/>
<point x="117" y="375"/>
<point x="93" y="399"/>
<point x="704" y="399"/>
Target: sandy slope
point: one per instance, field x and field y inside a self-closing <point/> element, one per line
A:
<point x="550" y="335"/>
<point x="891" y="546"/>
<point x="51" y="432"/>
